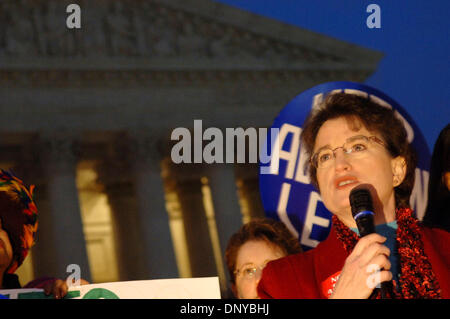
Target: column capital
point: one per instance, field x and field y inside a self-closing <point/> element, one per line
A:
<point x="146" y="147"/>
<point x="59" y="149"/>
<point x="28" y="162"/>
<point x="114" y="168"/>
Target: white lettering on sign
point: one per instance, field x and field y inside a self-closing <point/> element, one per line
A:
<point x="419" y="195"/>
<point x="380" y="101"/>
<point x="329" y="284"/>
<point x="282" y="208"/>
<point x="317" y="101"/>
<point x="356" y="92"/>
<point x="312" y="219"/>
<point x="291" y="155"/>
<point x="408" y="128"/>
<point x="302" y="175"/>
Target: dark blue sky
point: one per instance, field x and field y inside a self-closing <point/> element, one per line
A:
<point x="414" y="36"/>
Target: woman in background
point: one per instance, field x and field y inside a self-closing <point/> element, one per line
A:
<point x="437" y="213"/>
<point x="251" y="247"/>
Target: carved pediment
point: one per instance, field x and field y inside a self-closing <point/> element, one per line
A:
<point x="196" y="30"/>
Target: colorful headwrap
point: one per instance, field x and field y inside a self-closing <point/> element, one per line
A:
<point x="21" y="224"/>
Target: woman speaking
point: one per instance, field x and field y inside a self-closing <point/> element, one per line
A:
<point x="353" y="142"/>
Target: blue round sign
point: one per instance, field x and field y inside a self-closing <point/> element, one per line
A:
<point x="285" y="188"/>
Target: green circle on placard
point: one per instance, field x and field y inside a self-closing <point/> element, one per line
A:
<point x="100" y="293"/>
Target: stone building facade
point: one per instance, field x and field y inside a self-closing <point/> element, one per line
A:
<point x="88" y="114"/>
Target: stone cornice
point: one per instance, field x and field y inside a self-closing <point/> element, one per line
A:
<point x="274" y="28"/>
<point x="143" y="78"/>
<point x="170" y="64"/>
<point x="187" y="34"/>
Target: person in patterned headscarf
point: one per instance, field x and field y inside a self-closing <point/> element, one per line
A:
<point x="18" y="226"/>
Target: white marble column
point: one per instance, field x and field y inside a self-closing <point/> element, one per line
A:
<point x="157" y="245"/>
<point x="198" y="237"/>
<point x="114" y="174"/>
<point x="222" y="182"/>
<point x="247" y="181"/>
<point x="65" y="225"/>
<point x="44" y="250"/>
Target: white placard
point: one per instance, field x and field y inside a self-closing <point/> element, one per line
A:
<point x="179" y="288"/>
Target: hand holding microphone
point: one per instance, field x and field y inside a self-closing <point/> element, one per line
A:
<point x="368" y="265"/>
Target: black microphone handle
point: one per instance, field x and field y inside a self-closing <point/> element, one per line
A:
<point x="362" y="211"/>
<point x="366" y="226"/>
<point x="364" y="221"/>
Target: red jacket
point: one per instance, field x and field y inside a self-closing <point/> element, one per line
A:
<point x="313" y="273"/>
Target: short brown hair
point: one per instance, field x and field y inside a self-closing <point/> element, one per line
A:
<point x="376" y="118"/>
<point x="270" y="230"/>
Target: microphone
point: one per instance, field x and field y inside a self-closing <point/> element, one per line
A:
<point x="362" y="211"/>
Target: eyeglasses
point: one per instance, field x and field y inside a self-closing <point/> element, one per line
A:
<point x="250" y="271"/>
<point x="355" y="147"/>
